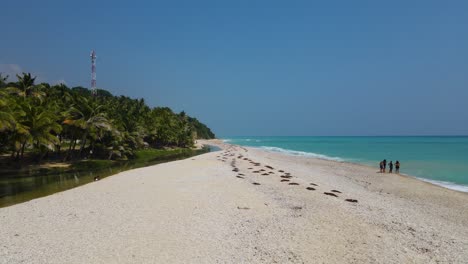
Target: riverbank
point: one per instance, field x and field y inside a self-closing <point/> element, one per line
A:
<point x="37" y="180"/>
<point x="212" y="208"/>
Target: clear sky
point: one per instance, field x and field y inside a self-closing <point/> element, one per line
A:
<point x="259" y="67"/>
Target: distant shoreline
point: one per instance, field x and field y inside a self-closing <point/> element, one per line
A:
<point x="295" y="153"/>
<point x="446" y="185"/>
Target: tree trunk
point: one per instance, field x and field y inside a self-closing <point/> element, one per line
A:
<point x="74" y="144"/>
<point x="83" y="144"/>
<point x="42" y="156"/>
<point x="72" y="147"/>
<point x="68" y="155"/>
<point x="59" y="146"/>
<point x="22" y="149"/>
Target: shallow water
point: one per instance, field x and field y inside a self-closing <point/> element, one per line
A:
<point x="441" y="160"/>
<point x="18" y="186"/>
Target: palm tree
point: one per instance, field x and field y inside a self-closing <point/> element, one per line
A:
<point x="42" y="117"/>
<point x="26" y="82"/>
<point x="7" y="119"/>
<point x="26" y="87"/>
<point x="89" y="117"/>
<point x="44" y="128"/>
<point x="3" y="80"/>
<point x="36" y="126"/>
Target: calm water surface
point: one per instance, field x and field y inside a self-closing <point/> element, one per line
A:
<point x="18" y="186"/>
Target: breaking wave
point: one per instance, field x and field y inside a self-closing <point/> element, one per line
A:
<point x="300" y="153"/>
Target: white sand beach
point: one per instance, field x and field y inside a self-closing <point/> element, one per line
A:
<point x="207" y="209"/>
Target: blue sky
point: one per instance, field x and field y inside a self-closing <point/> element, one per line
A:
<point x="260" y="67"/>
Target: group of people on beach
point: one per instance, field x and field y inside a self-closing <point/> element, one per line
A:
<point x="383" y="166"/>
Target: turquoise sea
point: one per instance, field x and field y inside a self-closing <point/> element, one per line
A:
<point x="440" y="160"/>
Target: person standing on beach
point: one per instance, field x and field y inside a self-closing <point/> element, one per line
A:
<point x="384" y="165"/>
<point x="390" y="167"/>
<point x="381" y="167"/>
<point x="397" y="167"/>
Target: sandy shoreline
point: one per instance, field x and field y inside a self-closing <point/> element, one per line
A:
<point x="448" y="185"/>
<point x="199" y="210"/>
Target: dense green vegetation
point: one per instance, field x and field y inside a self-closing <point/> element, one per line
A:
<point x="64" y="123"/>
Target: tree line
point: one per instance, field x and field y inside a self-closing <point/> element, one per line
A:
<point x="55" y="121"/>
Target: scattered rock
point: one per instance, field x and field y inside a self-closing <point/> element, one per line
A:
<point x="335" y="191"/>
<point x="423" y="250"/>
<point x="330" y="194"/>
<point x="256" y="183"/>
<point x="284" y="180"/>
<point x="293" y="183"/>
<point x="351" y="200"/>
<point x="313" y="184"/>
<point x="310" y="189"/>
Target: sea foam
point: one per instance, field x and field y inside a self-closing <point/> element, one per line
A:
<point x="301" y="153"/>
<point x="448" y="185"/>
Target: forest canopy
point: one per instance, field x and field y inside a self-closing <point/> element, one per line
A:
<point x="45" y="120"/>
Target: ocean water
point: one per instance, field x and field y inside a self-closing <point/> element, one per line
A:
<point x="440" y="160"/>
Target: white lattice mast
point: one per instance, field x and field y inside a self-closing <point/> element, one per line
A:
<point x="93" y="72"/>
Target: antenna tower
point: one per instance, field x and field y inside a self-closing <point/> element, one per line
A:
<point x="93" y="73"/>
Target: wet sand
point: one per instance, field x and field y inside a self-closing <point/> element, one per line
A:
<point x="241" y="205"/>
